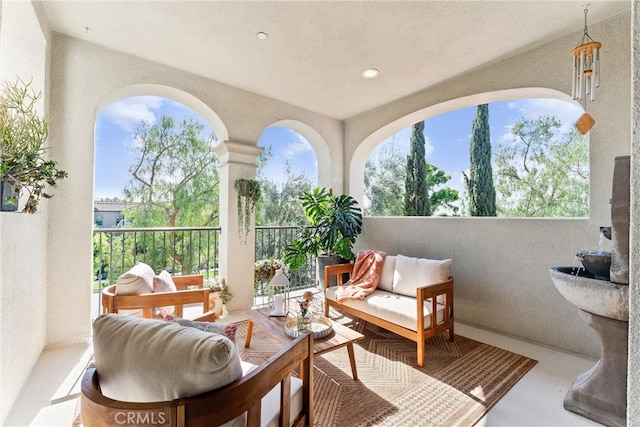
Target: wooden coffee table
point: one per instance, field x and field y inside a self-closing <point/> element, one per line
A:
<point x="274" y="326"/>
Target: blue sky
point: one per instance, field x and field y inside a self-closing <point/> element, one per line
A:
<point x="447" y="137"/>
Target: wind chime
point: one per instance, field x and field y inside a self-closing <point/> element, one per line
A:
<point x="585" y="76"/>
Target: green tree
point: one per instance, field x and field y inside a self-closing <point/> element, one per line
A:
<point x="482" y="194"/>
<point x="443" y="199"/>
<point x="174" y="181"/>
<point x="382" y="179"/>
<point x="280" y="202"/>
<point x="416" y="196"/>
<point x="384" y="189"/>
<point x="542" y="173"/>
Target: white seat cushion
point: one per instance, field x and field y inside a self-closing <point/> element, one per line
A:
<point x="397" y="309"/>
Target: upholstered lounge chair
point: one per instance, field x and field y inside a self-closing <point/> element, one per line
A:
<point x="265" y="395"/>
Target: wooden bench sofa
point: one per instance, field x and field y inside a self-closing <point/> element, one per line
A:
<point x="190" y="290"/>
<point x="405" y="299"/>
<point x="264" y="395"/>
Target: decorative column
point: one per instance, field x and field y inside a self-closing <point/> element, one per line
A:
<point x="237" y="255"/>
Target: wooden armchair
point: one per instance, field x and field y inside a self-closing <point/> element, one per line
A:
<point x="218" y="406"/>
<point x="113" y="303"/>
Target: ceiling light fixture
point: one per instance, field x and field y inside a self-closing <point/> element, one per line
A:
<point x="370" y="73"/>
<point x="586" y="65"/>
<point x="262" y="36"/>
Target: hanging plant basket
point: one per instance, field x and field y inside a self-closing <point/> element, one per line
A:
<point x="248" y="191"/>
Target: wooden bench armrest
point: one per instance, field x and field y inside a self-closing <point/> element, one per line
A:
<point x="434" y="290"/>
<point x="337" y="270"/>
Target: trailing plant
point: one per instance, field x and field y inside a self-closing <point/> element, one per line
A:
<point x="23" y="134"/>
<point x="248" y="191"/>
<point x="336" y="222"/>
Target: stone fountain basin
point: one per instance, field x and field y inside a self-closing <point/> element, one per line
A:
<point x="599" y="297"/>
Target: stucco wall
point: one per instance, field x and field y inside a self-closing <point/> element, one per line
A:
<point x="501" y="265"/>
<point x="633" y="381"/>
<point x="23" y="238"/>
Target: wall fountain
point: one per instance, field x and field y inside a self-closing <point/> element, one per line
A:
<point x="602" y="297"/>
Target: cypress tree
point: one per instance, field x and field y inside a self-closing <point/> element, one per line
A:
<point x="482" y="193"/>
<point x="416" y="195"/>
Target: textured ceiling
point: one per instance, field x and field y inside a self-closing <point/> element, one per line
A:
<point x="316" y="50"/>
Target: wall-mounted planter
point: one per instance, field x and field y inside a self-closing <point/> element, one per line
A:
<point x="8" y="199"/>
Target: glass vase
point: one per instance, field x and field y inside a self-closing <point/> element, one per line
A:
<point x="304" y="321"/>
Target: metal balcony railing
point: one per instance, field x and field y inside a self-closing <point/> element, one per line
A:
<point x="185" y="250"/>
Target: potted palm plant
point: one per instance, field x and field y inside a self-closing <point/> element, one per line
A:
<point x="335" y="223"/>
<point x="23" y="133"/>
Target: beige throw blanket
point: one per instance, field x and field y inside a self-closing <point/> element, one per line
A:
<point x="365" y="276"/>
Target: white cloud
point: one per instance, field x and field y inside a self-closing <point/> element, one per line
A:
<point x="428" y="146"/>
<point x="566" y="112"/>
<point x="296" y="148"/>
<point x="127" y="113"/>
<point x="506" y="136"/>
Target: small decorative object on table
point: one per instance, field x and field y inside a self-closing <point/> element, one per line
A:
<point x="278" y="291"/>
<point x="304" y="315"/>
<point x="304" y="322"/>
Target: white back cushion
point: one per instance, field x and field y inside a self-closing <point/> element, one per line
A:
<point x="138" y="280"/>
<point x="386" y="278"/>
<point x="148" y="360"/>
<point x="411" y="273"/>
<point x="164" y="283"/>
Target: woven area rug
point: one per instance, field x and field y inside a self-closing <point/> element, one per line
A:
<point x="459" y="383"/>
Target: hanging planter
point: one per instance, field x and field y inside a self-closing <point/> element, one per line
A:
<point x="9" y="198"/>
<point x="248" y="191"/>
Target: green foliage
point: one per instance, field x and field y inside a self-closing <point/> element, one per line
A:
<point x="174" y="178"/>
<point x="174" y="184"/>
<point x="482" y="194"/>
<point x="23" y="134"/>
<point x="383" y="187"/>
<point x="443" y="198"/>
<point x="416" y="196"/>
<point x="280" y="203"/>
<point x="336" y="222"/>
<point x="543" y="174"/>
<point x="385" y="191"/>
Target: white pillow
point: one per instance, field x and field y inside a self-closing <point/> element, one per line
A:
<point x="386" y="278"/>
<point x="148" y="360"/>
<point x="138" y="280"/>
<point x="164" y="283"/>
<point x="412" y="273"/>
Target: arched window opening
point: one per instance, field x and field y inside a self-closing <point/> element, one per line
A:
<point x="516" y="158"/>
<point x="156" y="189"/>
<point x="287" y="166"/>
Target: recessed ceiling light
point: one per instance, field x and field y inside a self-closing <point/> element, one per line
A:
<point x="262" y="36"/>
<point x="370" y="73"/>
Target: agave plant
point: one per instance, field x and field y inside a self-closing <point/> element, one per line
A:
<point x="336" y="222"/>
